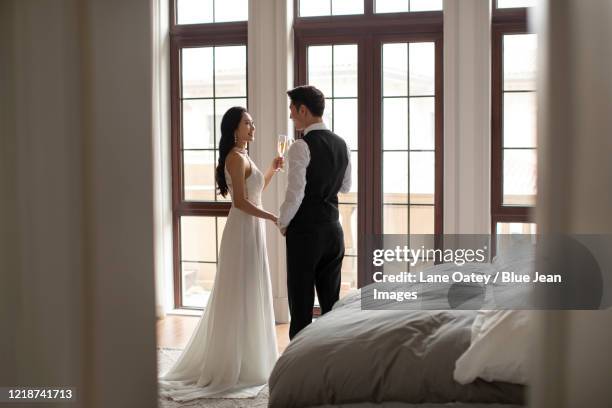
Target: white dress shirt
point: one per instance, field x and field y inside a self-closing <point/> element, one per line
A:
<point x="298" y="158"/>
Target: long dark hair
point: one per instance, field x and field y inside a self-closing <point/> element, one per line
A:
<point x="229" y="123"/>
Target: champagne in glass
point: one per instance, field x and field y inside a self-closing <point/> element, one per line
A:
<point x="281" y="146"/>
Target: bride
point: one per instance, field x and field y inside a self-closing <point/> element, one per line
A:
<point x="233" y="347"/>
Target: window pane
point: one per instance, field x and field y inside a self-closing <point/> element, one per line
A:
<point x="519" y="177"/>
<point x="422" y="177"/>
<point x="194" y="11"/>
<point x="343" y="7"/>
<point x="422" y="69"/>
<point x="345" y="121"/>
<point x="198" y="280"/>
<point x="198" y="243"/>
<point x="516" y="228"/>
<point x="328" y="113"/>
<point x="422" y="123"/>
<point x="345" y="70"/>
<point x="320" y="68"/>
<point x="351" y="196"/>
<point x="425" y="5"/>
<point x="198" y="126"/>
<point x="197" y="72"/>
<point x="391" y="6"/>
<point x="348" y="220"/>
<point x="199" y="173"/>
<point x="395" y="69"/>
<point x="310" y="8"/>
<point x="520" y="53"/>
<point x="395" y="177"/>
<point x="230" y="71"/>
<point x="422" y="219"/>
<point x="395" y="123"/>
<point x="231" y="10"/>
<point x="348" y="275"/>
<point x="519" y="119"/>
<point x="515" y="3"/>
<point x="222" y="106"/>
<point x="395" y="219"/>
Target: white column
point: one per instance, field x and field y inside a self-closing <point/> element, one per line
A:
<point x="41" y="254"/>
<point x="76" y="206"/>
<point x="162" y="172"/>
<point x="467" y="113"/>
<point x="270" y="62"/>
<point x="573" y="363"/>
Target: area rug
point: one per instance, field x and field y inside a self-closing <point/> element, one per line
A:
<point x="167" y="356"/>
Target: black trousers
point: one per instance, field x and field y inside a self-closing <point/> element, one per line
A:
<point x="314" y="260"/>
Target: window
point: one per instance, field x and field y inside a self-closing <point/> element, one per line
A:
<point x="211" y="11"/>
<point x="408" y="133"/>
<point x="504" y="4"/>
<point x="311" y="8"/>
<point x="513" y="132"/>
<point x="395" y="6"/>
<point x="319" y="8"/>
<point x="208" y="76"/>
<point x="381" y="74"/>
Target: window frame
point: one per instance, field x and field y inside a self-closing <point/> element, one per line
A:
<point x="187" y="36"/>
<point x="369" y="31"/>
<point x="504" y="21"/>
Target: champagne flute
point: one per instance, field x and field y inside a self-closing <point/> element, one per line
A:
<point x="281" y="146"/>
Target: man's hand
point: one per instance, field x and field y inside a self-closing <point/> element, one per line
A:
<point x="282" y="230"/>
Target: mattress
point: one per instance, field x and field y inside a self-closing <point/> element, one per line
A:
<point x="351" y="356"/>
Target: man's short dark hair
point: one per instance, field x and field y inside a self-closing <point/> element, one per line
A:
<point x="310" y="97"/>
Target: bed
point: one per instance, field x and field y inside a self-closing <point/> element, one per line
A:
<point x="358" y="358"/>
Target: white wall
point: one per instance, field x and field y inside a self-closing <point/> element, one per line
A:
<point x="118" y="185"/>
<point x="467" y="113"/>
<point x="41" y="212"/>
<point x="77" y="208"/>
<point x="574" y="359"/>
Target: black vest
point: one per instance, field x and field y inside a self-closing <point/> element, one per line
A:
<point x="324" y="176"/>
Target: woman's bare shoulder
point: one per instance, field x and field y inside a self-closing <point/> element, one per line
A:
<point x="234" y="159"/>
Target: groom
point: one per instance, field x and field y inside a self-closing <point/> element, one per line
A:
<point x="319" y="168"/>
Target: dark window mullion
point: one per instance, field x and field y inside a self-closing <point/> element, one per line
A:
<point x="198" y="262"/>
<point x="211" y="98"/>
<point x="408" y="128"/>
<point x="408" y="96"/>
<point x="518" y="90"/>
<point x="410" y="150"/>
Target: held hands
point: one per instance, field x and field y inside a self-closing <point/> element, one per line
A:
<point x="274" y="219"/>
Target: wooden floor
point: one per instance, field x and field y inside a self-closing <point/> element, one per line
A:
<point x="174" y="331"/>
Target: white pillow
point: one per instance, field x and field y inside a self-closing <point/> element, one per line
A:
<point x="499" y="349"/>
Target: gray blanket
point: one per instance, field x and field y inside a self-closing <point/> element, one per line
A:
<point x="352" y="355"/>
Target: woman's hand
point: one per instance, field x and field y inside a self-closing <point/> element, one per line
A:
<point x="278" y="163"/>
<point x="273" y="218"/>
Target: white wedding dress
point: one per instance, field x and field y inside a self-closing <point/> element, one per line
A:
<point x="233" y="348"/>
